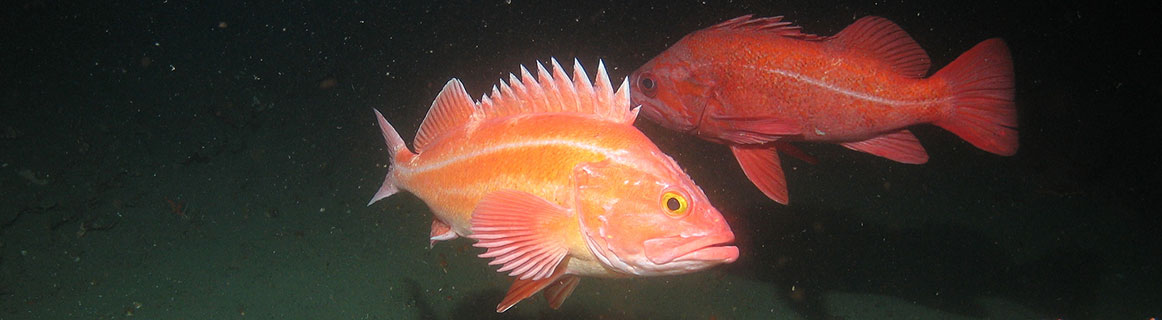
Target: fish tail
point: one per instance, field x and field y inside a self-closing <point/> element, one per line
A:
<point x="982" y="110"/>
<point x="395" y="145"/>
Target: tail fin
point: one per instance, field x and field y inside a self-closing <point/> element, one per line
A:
<point x="983" y="112"/>
<point x="394" y="145"/>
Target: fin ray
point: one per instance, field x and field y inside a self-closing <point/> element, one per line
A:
<point x="395" y="145"/>
<point x="761" y="165"/>
<point x="561" y="289"/>
<point x="440" y="232"/>
<point x="885" y="40"/>
<point x="521" y="289"/>
<point x="983" y="111"/>
<point x="900" y="146"/>
<point x="532" y="245"/>
<point x="773" y="25"/>
<point x="553" y="91"/>
<point x="451" y="109"/>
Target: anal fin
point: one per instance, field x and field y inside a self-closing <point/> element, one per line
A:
<point x="900" y="146"/>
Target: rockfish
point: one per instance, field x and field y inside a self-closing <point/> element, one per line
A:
<point x="551" y="177"/>
<point x="756" y="84"/>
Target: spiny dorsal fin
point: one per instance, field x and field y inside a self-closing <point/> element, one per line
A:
<point x="548" y="92"/>
<point x="774" y="25"/>
<point x="883" y="39"/>
<point x="452" y="108"/>
<point x="555" y="92"/>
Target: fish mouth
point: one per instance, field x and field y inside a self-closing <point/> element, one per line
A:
<point x="706" y="249"/>
<point x="650" y="110"/>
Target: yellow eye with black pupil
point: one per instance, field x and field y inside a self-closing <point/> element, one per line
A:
<point x="675" y="204"/>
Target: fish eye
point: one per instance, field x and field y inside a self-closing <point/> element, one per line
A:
<point x="675" y="204"/>
<point x="647" y="83"/>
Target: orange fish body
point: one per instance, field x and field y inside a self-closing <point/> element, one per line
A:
<point x="553" y="179"/>
<point x="756" y="84"/>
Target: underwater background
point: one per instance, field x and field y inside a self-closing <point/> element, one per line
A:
<point x="213" y="160"/>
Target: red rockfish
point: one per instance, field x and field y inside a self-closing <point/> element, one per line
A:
<point x="756" y="84"/>
<point x="552" y="178"/>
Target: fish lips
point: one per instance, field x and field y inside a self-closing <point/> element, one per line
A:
<point x="706" y="249"/>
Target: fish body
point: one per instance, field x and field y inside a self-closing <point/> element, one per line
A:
<point x="552" y="178"/>
<point x="756" y="84"/>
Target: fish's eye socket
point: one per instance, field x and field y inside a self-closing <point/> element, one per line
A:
<point x="647" y="83"/>
<point x="675" y="204"/>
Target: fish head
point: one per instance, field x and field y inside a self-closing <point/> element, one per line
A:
<point x="644" y="220"/>
<point x="671" y="91"/>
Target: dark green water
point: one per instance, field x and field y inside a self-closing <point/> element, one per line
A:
<point x="172" y="160"/>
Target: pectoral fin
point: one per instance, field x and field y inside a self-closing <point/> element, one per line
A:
<point x="900" y="146"/>
<point x="522" y="232"/>
<point x="754" y="130"/>
<point x="761" y="165"/>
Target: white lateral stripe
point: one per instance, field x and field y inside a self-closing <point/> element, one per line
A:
<point x="845" y="91"/>
<point x="611" y="154"/>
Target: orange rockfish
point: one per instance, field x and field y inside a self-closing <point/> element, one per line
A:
<point x="553" y="179"/>
<point x="755" y="84"/>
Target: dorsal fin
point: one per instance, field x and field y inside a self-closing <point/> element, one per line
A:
<point x="883" y="39"/>
<point x="774" y="25"/>
<point x="555" y="92"/>
<point x="452" y="108"/>
<point x="552" y="92"/>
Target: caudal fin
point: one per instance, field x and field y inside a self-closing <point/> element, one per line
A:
<point x="981" y="84"/>
<point x="395" y="144"/>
